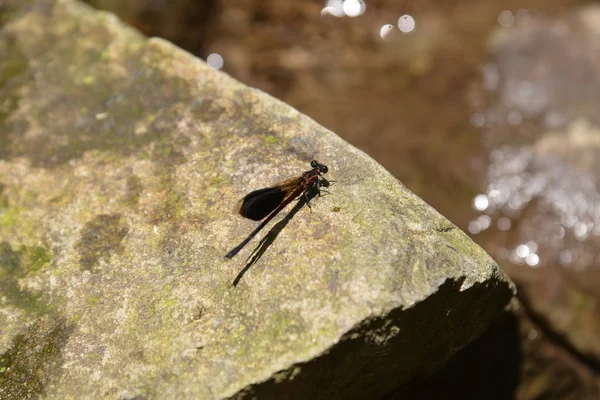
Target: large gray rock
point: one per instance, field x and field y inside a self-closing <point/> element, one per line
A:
<point x="121" y="160"/>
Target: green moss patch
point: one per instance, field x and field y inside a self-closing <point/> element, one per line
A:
<point x="100" y="237"/>
<point x="34" y="357"/>
<point x="16" y="264"/>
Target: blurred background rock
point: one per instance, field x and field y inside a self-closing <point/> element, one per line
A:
<point x="488" y="110"/>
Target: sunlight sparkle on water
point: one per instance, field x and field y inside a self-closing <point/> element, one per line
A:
<point x="406" y="23"/>
<point x="215" y="61"/>
<point x="504" y="223"/>
<point x="506" y="19"/>
<point x="354" y="8"/>
<point x="333" y="7"/>
<point x="478" y="120"/>
<point x="532" y="260"/>
<point x="480" y="224"/>
<point x="385" y="30"/>
<point x="581" y="230"/>
<point x="481" y="202"/>
<point x="566" y="257"/>
<point x="474" y="227"/>
<point x="485" y="221"/>
<point x="533" y="246"/>
<point x="491" y="77"/>
<point x="522" y="250"/>
<point x="522" y="17"/>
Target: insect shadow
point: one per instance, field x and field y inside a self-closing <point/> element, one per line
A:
<point x="270" y="237"/>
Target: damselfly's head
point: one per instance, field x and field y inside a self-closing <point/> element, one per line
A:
<point x="319" y="167"/>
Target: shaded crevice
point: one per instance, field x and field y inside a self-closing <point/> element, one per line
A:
<point x="445" y="228"/>
<point x="385" y="353"/>
<point x="488" y="368"/>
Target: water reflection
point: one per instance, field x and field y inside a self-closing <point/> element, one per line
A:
<point x="555" y="201"/>
<point x="544" y="147"/>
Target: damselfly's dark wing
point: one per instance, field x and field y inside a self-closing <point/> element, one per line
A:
<point x="260" y="203"/>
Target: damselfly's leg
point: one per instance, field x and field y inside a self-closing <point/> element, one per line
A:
<point x="306" y="198"/>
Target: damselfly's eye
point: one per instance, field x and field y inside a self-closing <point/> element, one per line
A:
<point x="314" y="164"/>
<point x="324" y="169"/>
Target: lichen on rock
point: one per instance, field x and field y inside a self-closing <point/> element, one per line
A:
<point x="121" y="162"/>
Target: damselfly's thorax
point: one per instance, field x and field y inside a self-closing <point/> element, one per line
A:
<point x="313" y="178"/>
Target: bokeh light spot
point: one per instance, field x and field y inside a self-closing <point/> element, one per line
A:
<point x="522" y="250"/>
<point x="506" y="19"/>
<point x="406" y="23"/>
<point x="354" y="8"/>
<point x="385" y="30"/>
<point x="333" y="7"/>
<point x="532" y="260"/>
<point x="481" y="202"/>
<point x="477" y="120"/>
<point x="504" y="223"/>
<point x="215" y="61"/>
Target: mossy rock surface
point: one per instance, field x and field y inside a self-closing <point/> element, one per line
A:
<point x="121" y="161"/>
